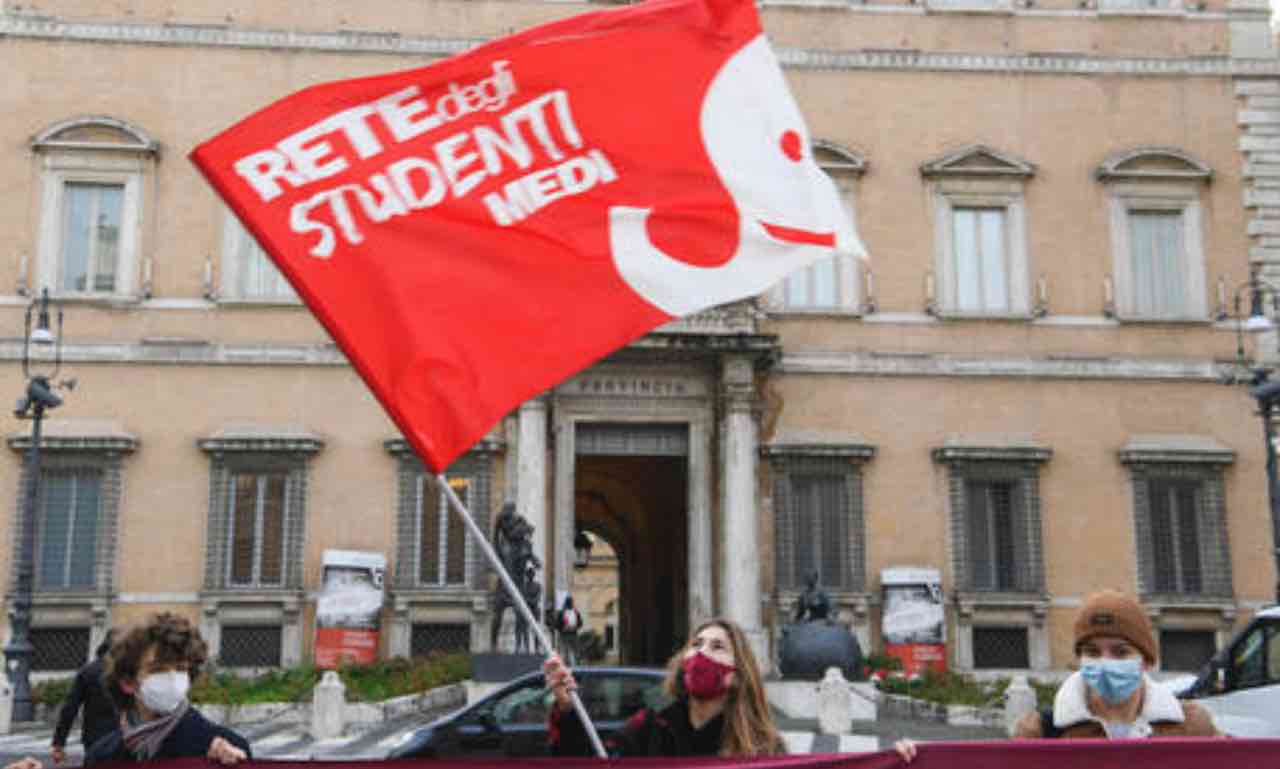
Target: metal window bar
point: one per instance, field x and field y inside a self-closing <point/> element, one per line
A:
<point x="68" y="534"/>
<point x="250" y="646"/>
<point x="1001" y="647"/>
<point x="257" y="506"/>
<point x="821" y="523"/>
<point x="1175" y="533"/>
<point x="1186" y="650"/>
<point x="442" y="538"/>
<point x="994" y="549"/>
<point x="59" y="648"/>
<point x="426" y="639"/>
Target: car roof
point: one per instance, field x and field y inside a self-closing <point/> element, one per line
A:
<point x="1270" y="611"/>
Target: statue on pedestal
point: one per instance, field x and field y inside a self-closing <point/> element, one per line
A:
<point x="814" y="641"/>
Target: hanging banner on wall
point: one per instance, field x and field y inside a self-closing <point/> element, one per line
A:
<point x="913" y="622"/>
<point x="349" y="609"/>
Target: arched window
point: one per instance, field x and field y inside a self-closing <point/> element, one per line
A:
<point x="94" y="177"/>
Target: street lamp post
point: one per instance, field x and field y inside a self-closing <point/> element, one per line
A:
<point x="38" y="398"/>
<point x="1264" y="391"/>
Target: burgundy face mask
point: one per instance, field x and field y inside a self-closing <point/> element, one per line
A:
<point x="704" y="677"/>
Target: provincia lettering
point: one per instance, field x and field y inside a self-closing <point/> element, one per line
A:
<point x="537" y="139"/>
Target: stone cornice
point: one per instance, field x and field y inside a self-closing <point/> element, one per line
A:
<point x="398" y="447"/>
<point x="964" y="453"/>
<point x="93" y="443"/>
<point x="944" y="365"/>
<point x="23" y="26"/>
<point x="264" y="442"/>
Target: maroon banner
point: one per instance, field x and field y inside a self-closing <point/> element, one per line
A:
<point x="1162" y="753"/>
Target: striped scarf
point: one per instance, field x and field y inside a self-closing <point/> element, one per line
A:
<point x="143" y="739"/>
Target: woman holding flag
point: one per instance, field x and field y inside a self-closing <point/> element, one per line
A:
<point x="719" y="709"/>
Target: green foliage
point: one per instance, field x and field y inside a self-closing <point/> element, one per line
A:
<point x="882" y="661"/>
<point x="365" y="683"/>
<point x="51" y="692"/>
<point x="957" y="689"/>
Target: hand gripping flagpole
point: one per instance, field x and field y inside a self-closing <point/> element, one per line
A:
<point x="518" y="600"/>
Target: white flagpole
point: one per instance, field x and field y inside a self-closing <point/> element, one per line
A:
<point x="518" y="599"/>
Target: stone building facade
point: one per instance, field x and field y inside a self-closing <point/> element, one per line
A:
<point x="1060" y="199"/>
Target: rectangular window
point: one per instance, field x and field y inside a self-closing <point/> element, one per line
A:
<point x="430" y="638"/>
<point x="1175" y="533"/>
<point x="1001" y="647"/>
<point x="821" y="530"/>
<point x="248" y="273"/>
<point x="70" y="511"/>
<point x="993" y="522"/>
<point x="981" y="268"/>
<point x="256" y="539"/>
<point x="250" y="646"/>
<point x="1158" y="264"/>
<point x="815" y="287"/>
<point x="59" y="648"/>
<point x="90" y="237"/>
<point x="442" y="537"/>
<point x="1186" y="650"/>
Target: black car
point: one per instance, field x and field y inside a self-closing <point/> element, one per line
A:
<point x="513" y="720"/>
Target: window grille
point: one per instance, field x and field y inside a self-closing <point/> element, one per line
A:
<point x="257" y="515"/>
<point x="442" y="536"/>
<point x="1175" y="516"/>
<point x="818" y="523"/>
<point x="250" y="646"/>
<point x="71" y="502"/>
<point x="1186" y="650"/>
<point x="430" y="638"/>
<point x="1001" y="647"/>
<point x="61" y="648"/>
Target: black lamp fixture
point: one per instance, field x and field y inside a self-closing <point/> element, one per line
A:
<point x="1261" y="388"/>
<point x="581" y="549"/>
<point x="41" y="361"/>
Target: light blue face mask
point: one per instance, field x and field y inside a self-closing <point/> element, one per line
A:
<point x="1114" y="680"/>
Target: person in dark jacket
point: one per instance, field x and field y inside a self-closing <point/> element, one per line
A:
<point x="88" y="692"/>
<point x="719" y="708"/>
<point x="150" y="671"/>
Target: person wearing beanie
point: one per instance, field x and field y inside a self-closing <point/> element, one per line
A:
<point x="1110" y="696"/>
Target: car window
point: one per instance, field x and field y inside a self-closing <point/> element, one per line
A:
<point x="1248" y="664"/>
<point x="617" y="697"/>
<point x="528" y="705"/>
<point x="1273" y="652"/>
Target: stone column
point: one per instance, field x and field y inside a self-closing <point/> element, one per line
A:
<point x="531" y="475"/>
<point x="701" y="547"/>
<point x="564" y="514"/>
<point x="740" y="554"/>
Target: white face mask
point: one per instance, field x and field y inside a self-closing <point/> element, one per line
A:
<point x="163" y="692"/>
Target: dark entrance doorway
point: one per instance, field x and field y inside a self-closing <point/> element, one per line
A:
<point x="638" y="502"/>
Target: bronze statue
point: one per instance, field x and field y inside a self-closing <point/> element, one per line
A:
<point x="814" y="604"/>
<point x="512" y="539"/>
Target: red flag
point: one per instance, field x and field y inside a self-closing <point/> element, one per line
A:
<point x="473" y="232"/>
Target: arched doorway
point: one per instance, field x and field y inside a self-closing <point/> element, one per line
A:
<point x="638" y="504"/>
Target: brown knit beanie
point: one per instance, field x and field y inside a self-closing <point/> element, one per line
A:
<point x="1108" y="613"/>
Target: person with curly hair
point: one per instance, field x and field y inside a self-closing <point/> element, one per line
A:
<point x="149" y="670"/>
<point x="719" y="709"/>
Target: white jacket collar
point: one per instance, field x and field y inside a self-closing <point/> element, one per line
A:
<point x="1071" y="705"/>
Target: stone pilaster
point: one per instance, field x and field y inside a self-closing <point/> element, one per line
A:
<point x="740" y="592"/>
<point x="531" y="474"/>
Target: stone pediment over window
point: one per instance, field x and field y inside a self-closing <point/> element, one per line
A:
<point x="491" y="443"/>
<point x="1197" y="449"/>
<point x="97" y="133"/>
<point x="991" y="448"/>
<point x="262" y="438"/>
<point x="1153" y="164"/>
<point x="833" y="157"/>
<point x="817" y="443"/>
<point x="78" y="435"/>
<point x="978" y="160"/>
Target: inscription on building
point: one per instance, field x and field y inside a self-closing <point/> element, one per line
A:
<point x="633" y="387"/>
